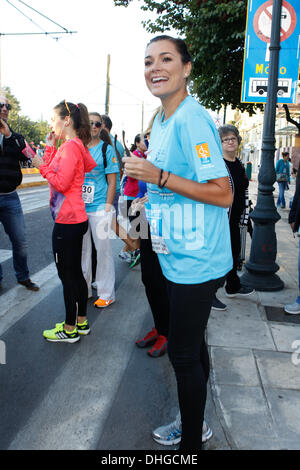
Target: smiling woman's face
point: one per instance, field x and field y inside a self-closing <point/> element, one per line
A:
<point x="165" y="73"/>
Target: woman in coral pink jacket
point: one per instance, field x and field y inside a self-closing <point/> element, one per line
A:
<point x="65" y="170"/>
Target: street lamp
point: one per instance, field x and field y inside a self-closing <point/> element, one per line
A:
<point x="261" y="266"/>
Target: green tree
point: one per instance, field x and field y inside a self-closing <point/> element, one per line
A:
<point x="32" y="131"/>
<point x="214" y="31"/>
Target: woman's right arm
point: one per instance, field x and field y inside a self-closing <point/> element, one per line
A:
<point x="61" y="175"/>
<point x="215" y="191"/>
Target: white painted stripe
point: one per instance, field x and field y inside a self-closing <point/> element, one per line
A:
<point x="5" y="255"/>
<point x="18" y="301"/>
<point x="73" y="417"/>
<point x="33" y="200"/>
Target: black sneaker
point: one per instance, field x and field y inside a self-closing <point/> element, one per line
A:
<point x="218" y="305"/>
<point x="29" y="285"/>
<point x="243" y="291"/>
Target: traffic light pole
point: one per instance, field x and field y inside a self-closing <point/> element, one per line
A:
<point x="261" y="266"/>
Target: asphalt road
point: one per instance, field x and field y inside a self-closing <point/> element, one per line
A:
<point x="101" y="393"/>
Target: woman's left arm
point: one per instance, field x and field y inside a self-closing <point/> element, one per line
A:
<point x="111" y="190"/>
<point x="216" y="191"/>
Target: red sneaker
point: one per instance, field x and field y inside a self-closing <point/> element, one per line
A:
<point x="159" y="348"/>
<point x="149" y="339"/>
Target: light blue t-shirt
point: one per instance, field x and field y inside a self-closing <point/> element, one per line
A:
<point x="121" y="152"/>
<point x="192" y="239"/>
<point x="94" y="188"/>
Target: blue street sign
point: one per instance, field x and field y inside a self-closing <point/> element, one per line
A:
<point x="257" y="53"/>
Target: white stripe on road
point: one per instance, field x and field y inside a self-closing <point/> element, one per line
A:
<point x="74" y="410"/>
<point x="34" y="199"/>
<point x="5" y="255"/>
<point x="18" y="301"/>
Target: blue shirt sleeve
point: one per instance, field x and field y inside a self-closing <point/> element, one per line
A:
<point x="201" y="146"/>
<point x="112" y="161"/>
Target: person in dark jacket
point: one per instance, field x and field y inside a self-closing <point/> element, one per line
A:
<point x="11" y="214"/>
<point x="294" y="221"/>
<point x="238" y="212"/>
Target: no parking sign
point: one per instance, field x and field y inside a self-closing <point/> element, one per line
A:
<point x="257" y="54"/>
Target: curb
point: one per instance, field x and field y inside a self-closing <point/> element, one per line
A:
<point x="29" y="185"/>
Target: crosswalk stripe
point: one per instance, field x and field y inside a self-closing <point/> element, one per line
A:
<point x="5" y="255"/>
<point x="18" y="301"/>
<point x="73" y="417"/>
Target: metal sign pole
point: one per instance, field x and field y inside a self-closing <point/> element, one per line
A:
<point x="261" y="267"/>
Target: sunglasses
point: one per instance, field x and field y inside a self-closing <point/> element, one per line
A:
<point x="96" y="124"/>
<point x="7" y="105"/>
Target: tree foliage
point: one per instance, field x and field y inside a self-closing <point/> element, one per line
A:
<point x="32" y="131"/>
<point x="214" y="31"/>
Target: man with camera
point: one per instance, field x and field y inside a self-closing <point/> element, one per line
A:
<point x="11" y="214"/>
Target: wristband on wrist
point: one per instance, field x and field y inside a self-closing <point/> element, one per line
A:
<point x="160" y="177"/>
<point x="160" y="184"/>
<point x="164" y="183"/>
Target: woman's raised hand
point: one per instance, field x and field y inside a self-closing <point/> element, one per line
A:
<point x="141" y="169"/>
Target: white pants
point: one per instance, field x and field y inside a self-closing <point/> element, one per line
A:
<point x="100" y="227"/>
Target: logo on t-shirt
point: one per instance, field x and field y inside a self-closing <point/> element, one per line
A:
<point x="203" y="153"/>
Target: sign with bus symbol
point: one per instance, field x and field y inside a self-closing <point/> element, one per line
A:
<point x="259" y="87"/>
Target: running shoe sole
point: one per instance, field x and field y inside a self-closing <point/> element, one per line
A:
<point x="103" y="306"/>
<point x="172" y="442"/>
<point x="291" y="313"/>
<point x="84" y="332"/>
<point x="65" y="340"/>
<point x="243" y="295"/>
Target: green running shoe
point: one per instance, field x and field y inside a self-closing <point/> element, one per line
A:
<point x="83" y="328"/>
<point x="135" y="259"/>
<point x="60" y="335"/>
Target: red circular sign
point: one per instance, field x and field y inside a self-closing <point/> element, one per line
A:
<point x="263" y="20"/>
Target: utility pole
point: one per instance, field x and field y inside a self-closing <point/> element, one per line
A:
<point x="107" y="85"/>
<point x="261" y="266"/>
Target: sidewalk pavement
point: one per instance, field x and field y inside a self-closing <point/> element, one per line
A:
<point x="255" y="356"/>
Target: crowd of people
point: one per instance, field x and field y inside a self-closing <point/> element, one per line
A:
<point x="185" y="194"/>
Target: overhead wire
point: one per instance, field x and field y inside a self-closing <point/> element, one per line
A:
<point x="30" y="19"/>
<point x="44" y="16"/>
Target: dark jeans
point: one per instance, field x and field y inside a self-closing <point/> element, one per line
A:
<point x="233" y="283"/>
<point x="190" y="307"/>
<point x="281" y="200"/>
<point x="155" y="286"/>
<point x="67" y="249"/>
<point x="12" y="218"/>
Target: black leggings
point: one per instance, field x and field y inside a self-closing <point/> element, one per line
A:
<point x="155" y="286"/>
<point x="67" y="249"/>
<point x="233" y="282"/>
<point x="190" y="306"/>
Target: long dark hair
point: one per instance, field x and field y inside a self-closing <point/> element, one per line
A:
<point x="80" y="118"/>
<point x="137" y="140"/>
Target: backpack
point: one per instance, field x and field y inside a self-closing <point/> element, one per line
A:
<point x="104" y="148"/>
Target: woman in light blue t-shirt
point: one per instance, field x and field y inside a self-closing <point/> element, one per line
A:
<point x="188" y="191"/>
<point x="98" y="192"/>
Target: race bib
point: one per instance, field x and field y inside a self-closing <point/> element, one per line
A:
<point x="88" y="192"/>
<point x="155" y="223"/>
